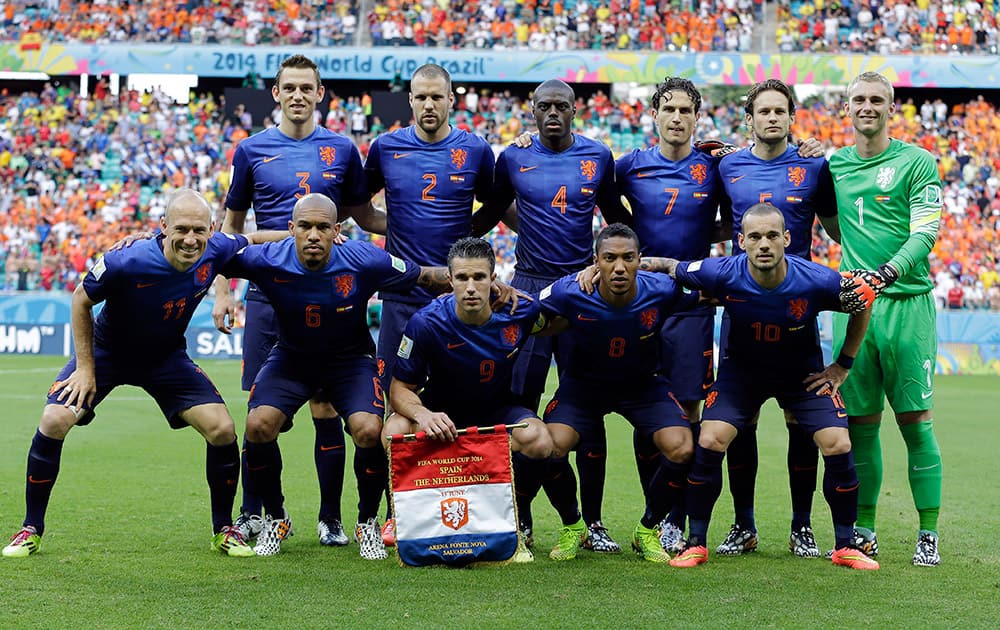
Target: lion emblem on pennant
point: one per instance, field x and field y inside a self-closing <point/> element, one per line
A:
<point x="455" y="512"/>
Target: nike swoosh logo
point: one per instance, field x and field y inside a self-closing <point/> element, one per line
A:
<point x="696" y="483"/>
<point x="144" y="285"/>
<point x="330" y="448"/>
<point x="525" y="169"/>
<point x="841" y="414"/>
<point x="371" y="471"/>
<point x="643" y="174"/>
<point x="586" y="319"/>
<point x="33" y="480"/>
<point x="706" y="386"/>
<point x="730" y="298"/>
<point x="733" y="180"/>
<point x="917" y="468"/>
<point x="271" y="158"/>
<point x="452" y="346"/>
<point x="851" y="489"/>
<point x="278" y="280"/>
<point x="591" y="455"/>
<point x="841" y="176"/>
<point x="926" y="395"/>
<point x="396" y="156"/>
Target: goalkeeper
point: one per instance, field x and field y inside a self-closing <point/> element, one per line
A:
<point x="889" y="203"/>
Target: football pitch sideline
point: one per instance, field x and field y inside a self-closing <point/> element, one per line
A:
<point x="128" y="532"/>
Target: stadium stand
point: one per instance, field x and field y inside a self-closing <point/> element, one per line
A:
<point x="889" y="27"/>
<point x="550" y="25"/>
<point x="325" y="23"/>
<point x="76" y="174"/>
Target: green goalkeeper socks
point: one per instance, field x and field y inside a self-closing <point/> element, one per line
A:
<point x="924" y="470"/>
<point x="868" y="462"/>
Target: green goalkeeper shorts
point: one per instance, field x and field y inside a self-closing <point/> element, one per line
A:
<point x="897" y="357"/>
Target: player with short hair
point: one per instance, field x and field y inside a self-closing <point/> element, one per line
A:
<point x="150" y="291"/>
<point x="320" y="293"/>
<point x="271" y="170"/>
<point x="675" y="192"/>
<point x="889" y="195"/>
<point x="432" y="173"/>
<point x="773" y="351"/>
<point x="455" y="364"/>
<point x="773" y="170"/>
<point x="615" y="367"/>
<point x="556" y="183"/>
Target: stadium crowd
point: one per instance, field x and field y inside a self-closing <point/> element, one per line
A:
<point x="77" y="174"/>
<point x="888" y="27"/>
<point x="326" y="23"/>
<point x="557" y="25"/>
<point x="880" y="26"/>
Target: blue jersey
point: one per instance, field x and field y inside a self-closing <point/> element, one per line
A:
<point x="612" y="344"/>
<point x="148" y="303"/>
<point x="272" y="171"/>
<point x="800" y="187"/>
<point x="429" y="191"/>
<point x="325" y="311"/>
<point x="464" y="367"/>
<point x="674" y="203"/>
<point x="772" y="332"/>
<point x="556" y="194"/>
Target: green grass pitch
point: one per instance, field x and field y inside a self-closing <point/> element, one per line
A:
<point x="128" y="536"/>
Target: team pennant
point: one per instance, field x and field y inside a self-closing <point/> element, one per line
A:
<point x="453" y="501"/>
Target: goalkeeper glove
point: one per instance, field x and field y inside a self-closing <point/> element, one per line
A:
<point x="715" y="148"/>
<point x="878" y="280"/>
<point x="856" y="294"/>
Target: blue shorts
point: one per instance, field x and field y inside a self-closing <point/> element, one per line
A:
<point x="288" y="380"/>
<point x="489" y="416"/>
<point x="259" y="336"/>
<point x="175" y="382"/>
<point x="531" y="368"/>
<point x="648" y="405"/>
<point x="395" y="316"/>
<point x="739" y="393"/>
<point x="687" y="355"/>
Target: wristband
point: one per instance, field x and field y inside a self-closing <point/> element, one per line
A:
<point x="845" y="361"/>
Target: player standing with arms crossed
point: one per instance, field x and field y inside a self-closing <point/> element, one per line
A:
<point x="556" y="182"/>
<point x="889" y="195"/>
<point x="271" y="170"/>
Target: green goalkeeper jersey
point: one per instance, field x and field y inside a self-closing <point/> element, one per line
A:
<point x="889" y="207"/>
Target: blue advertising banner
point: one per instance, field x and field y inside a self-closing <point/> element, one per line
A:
<point x="471" y="65"/>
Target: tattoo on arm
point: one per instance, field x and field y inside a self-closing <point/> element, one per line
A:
<point x="657" y="265"/>
<point x="434" y="279"/>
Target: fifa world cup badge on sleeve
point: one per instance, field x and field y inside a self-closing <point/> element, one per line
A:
<point x="405" y="347"/>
